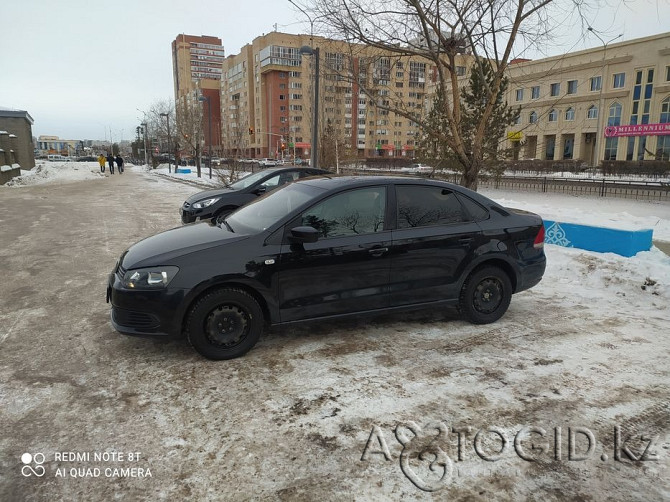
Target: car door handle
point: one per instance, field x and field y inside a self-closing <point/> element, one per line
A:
<point x="377" y="251"/>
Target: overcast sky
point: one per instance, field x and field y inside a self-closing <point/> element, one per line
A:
<point x="83" y="68"/>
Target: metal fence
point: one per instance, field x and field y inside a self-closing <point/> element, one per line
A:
<point x="599" y="187"/>
<point x="603" y="187"/>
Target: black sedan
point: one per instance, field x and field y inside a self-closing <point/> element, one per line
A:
<point x="216" y="204"/>
<point x="327" y="247"/>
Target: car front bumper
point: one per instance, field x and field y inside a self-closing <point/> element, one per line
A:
<point x="148" y="314"/>
<point x="190" y="215"/>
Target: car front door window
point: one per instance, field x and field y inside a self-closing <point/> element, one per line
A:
<point x="353" y="212"/>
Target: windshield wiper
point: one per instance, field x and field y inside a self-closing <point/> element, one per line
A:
<point x="228" y="226"/>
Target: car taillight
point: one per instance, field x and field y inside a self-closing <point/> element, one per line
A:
<point x="539" y="239"/>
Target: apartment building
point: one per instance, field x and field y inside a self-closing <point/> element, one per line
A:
<point x="16" y="138"/>
<point x="267" y="89"/>
<point x="607" y="103"/>
<point x="197" y="67"/>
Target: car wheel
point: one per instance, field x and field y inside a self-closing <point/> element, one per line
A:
<point x="218" y="219"/>
<point x="224" y="324"/>
<point x="485" y="296"/>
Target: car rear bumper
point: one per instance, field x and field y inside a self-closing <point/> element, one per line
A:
<point x="531" y="273"/>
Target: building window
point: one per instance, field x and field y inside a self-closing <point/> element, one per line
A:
<point x="550" y="143"/>
<point x="535" y="92"/>
<point x="570" y="114"/>
<point x="619" y="80"/>
<point x="519" y="94"/>
<point x="592" y="112"/>
<point x="553" y="115"/>
<point x="612" y="144"/>
<point x="667" y="73"/>
<point x="568" y="147"/>
<point x="533" y="117"/>
<point x="517" y="120"/>
<point x="572" y="87"/>
<point x="614" y="115"/>
<point x="596" y="83"/>
<point x="282" y="97"/>
<point x="460" y="71"/>
<point x="555" y="89"/>
<point x="663" y="142"/>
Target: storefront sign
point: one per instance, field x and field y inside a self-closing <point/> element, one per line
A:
<point x="637" y="130"/>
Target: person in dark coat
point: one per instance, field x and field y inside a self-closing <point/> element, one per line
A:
<point x="110" y="161"/>
<point x="119" y="163"/>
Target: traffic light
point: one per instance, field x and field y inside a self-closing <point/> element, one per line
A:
<point x="251" y="131"/>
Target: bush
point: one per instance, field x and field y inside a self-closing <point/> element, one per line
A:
<point x="653" y="168"/>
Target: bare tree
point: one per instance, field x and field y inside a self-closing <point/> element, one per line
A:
<point x="190" y="133"/>
<point x="440" y="32"/>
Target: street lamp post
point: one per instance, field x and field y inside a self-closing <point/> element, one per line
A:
<point x="209" y="113"/>
<point x="596" y="146"/>
<point x="307" y="50"/>
<point x="167" y="116"/>
<point x="146" y="152"/>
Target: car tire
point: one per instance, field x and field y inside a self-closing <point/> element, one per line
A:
<point x="224" y="324"/>
<point x="485" y="296"/>
<point x="222" y="215"/>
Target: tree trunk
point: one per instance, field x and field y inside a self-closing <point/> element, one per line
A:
<point x="197" y="160"/>
<point x="470" y="174"/>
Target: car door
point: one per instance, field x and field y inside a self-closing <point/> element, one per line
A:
<point x="433" y="242"/>
<point x="347" y="269"/>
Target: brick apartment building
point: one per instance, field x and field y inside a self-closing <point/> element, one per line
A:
<point x="267" y="89"/>
<point x="196" y="65"/>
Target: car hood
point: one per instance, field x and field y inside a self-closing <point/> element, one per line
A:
<point x="207" y="194"/>
<point x="161" y="248"/>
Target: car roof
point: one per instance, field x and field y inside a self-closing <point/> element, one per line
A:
<point x="289" y="168"/>
<point x="335" y="181"/>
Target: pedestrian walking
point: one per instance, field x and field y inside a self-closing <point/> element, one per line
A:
<point x="110" y="161"/>
<point x="101" y="161"/>
<point x="119" y="163"/>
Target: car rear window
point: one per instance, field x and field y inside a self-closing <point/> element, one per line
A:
<point x="477" y="212"/>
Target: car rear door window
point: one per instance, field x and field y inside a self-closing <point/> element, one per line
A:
<point x="353" y="212"/>
<point x="422" y="206"/>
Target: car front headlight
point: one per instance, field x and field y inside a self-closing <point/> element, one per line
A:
<point x="204" y="203"/>
<point x="149" y="278"/>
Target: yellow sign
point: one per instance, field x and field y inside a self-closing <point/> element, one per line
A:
<point x="514" y="136"/>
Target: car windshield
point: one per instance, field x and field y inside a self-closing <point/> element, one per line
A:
<point x="265" y="211"/>
<point x="247" y="181"/>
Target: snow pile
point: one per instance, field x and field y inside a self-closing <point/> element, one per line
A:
<point x="57" y="172"/>
<point x="638" y="281"/>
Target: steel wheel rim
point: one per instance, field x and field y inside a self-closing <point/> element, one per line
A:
<point x="227" y="326"/>
<point x="488" y="295"/>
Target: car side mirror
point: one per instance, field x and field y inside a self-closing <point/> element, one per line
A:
<point x="261" y="189"/>
<point x="304" y="235"/>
